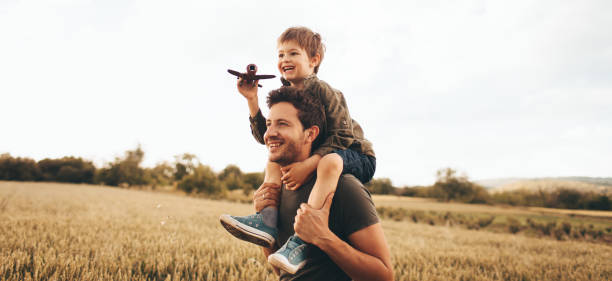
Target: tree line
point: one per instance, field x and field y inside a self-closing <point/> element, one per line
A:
<point x="188" y="174"/>
<point x="185" y="173"/>
<point x="451" y="187"/>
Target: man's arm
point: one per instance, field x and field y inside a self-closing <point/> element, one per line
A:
<point x="367" y="259"/>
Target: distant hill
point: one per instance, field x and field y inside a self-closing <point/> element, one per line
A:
<point x="603" y="185"/>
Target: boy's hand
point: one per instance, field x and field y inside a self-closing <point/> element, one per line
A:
<point x="248" y="90"/>
<point x="295" y="175"/>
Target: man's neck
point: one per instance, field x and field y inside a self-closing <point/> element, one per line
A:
<point x="300" y="158"/>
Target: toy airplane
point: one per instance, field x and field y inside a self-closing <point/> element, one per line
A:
<point x="250" y="76"/>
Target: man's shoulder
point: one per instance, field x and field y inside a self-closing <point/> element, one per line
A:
<point x="352" y="187"/>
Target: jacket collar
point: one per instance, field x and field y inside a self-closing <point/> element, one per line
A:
<point x="311" y="78"/>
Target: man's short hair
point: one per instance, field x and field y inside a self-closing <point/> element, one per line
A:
<point x="310" y="110"/>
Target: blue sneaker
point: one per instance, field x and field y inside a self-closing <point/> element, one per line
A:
<point x="251" y="229"/>
<point x="291" y="257"/>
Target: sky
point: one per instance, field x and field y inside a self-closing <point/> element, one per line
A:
<point x="493" y="89"/>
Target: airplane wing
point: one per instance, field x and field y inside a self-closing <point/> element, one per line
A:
<point x="257" y="77"/>
<point x="234" y="72"/>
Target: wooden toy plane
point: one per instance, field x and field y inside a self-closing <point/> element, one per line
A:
<point x="250" y="76"/>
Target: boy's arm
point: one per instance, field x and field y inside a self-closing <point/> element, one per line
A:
<point x="296" y="174"/>
<point x="258" y="126"/>
<point x="258" y="122"/>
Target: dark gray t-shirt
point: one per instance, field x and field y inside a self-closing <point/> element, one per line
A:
<point x="352" y="210"/>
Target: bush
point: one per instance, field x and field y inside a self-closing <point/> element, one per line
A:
<point x="560" y="198"/>
<point x="514" y="225"/>
<point x="203" y="180"/>
<point x="484" y="222"/>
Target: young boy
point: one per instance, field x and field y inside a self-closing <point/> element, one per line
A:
<point x="344" y="149"/>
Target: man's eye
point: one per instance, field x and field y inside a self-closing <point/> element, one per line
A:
<point x="280" y="55"/>
<point x="268" y="124"/>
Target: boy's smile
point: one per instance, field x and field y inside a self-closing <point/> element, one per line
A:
<point x="294" y="63"/>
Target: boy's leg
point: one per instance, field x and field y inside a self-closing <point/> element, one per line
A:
<point x="292" y="256"/>
<point x="272" y="174"/>
<point x="328" y="174"/>
<point x="260" y="228"/>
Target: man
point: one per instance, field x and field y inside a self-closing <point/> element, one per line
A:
<point x="349" y="240"/>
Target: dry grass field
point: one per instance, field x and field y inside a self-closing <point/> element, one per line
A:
<point x="80" y="232"/>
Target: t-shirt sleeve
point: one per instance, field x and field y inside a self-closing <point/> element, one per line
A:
<point x="357" y="210"/>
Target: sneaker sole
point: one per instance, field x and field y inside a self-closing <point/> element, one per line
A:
<point x="281" y="262"/>
<point x="246" y="233"/>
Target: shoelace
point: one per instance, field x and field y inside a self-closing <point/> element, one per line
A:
<point x="292" y="242"/>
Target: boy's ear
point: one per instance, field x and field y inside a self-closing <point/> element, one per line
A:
<point x="315" y="60"/>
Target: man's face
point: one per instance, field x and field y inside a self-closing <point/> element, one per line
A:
<point x="285" y="137"/>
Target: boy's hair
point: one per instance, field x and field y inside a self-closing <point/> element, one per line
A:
<point x="307" y="39"/>
<point x="310" y="110"/>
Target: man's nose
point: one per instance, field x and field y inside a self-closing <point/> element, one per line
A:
<point x="271" y="132"/>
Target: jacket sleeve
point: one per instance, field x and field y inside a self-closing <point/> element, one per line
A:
<point x="339" y="133"/>
<point x="258" y="127"/>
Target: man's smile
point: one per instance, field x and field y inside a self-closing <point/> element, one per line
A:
<point x="274" y="144"/>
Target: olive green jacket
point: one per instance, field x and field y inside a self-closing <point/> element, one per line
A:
<point x="342" y="131"/>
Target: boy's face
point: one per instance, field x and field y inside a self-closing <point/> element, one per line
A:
<point x="294" y="63"/>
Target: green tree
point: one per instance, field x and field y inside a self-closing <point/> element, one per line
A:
<point x="125" y="170"/>
<point x="381" y="186"/>
<point x="202" y="179"/>
<point x="160" y="175"/>
<point x="18" y="169"/>
<point x="252" y="181"/>
<point x="67" y="169"/>
<point x="184" y="165"/>
<point x="232" y="178"/>
<point x="451" y="187"/>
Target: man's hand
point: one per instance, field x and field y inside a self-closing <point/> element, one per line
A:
<point x="312" y="224"/>
<point x="296" y="174"/>
<point x="268" y="194"/>
<point x="248" y="90"/>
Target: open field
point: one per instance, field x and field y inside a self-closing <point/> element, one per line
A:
<point x="599" y="222"/>
<point x="54" y="231"/>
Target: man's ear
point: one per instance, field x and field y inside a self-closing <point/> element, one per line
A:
<point x="312" y="133"/>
